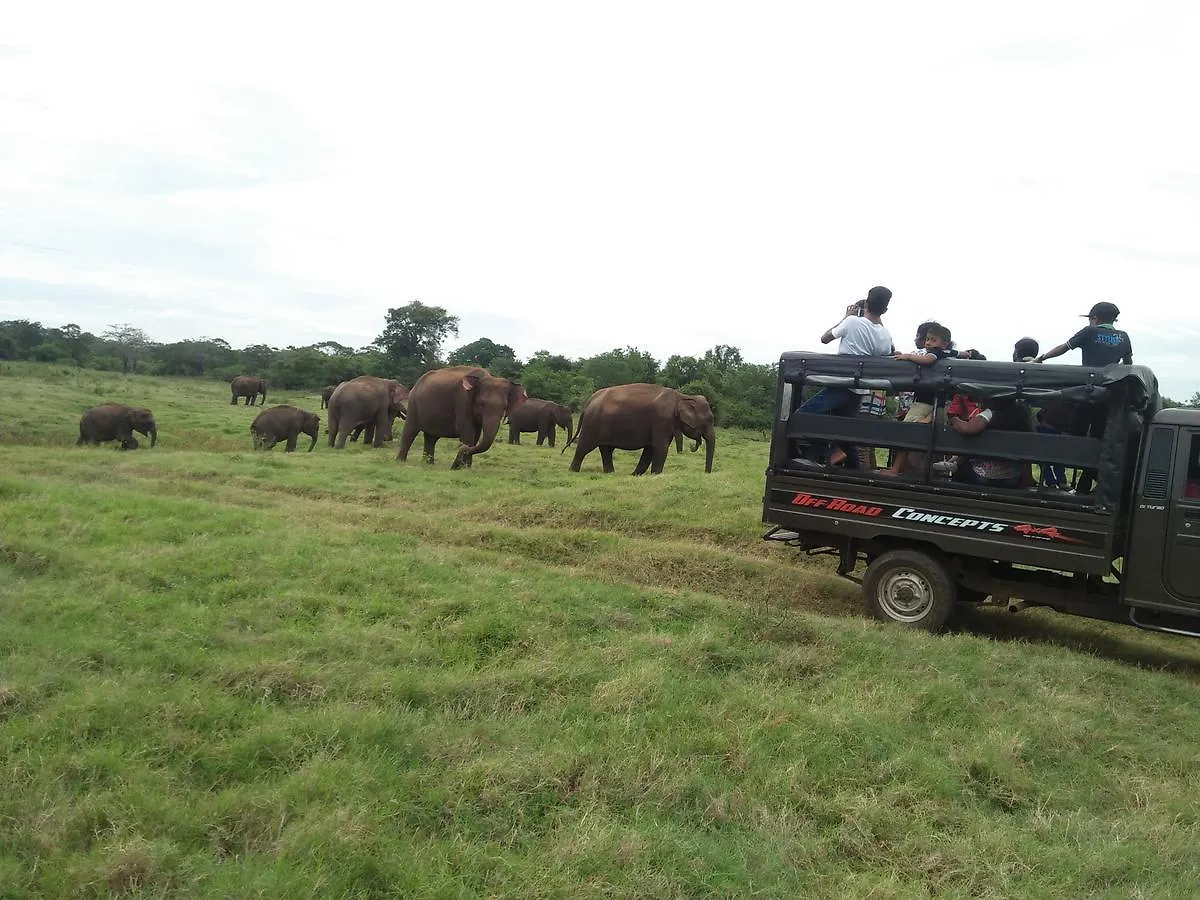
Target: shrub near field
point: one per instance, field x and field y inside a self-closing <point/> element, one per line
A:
<point x="226" y="673"/>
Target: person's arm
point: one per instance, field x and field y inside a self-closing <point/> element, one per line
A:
<point x="1076" y="340"/>
<point x="834" y="333"/>
<point x="977" y="424"/>
<point x="1128" y="360"/>
<point x="921" y="359"/>
<point x="1051" y="353"/>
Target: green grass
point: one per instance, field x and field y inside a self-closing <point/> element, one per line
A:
<point x="228" y="673"/>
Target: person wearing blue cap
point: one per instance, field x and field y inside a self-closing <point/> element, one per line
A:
<point x="1102" y="344"/>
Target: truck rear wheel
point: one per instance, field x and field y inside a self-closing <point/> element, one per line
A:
<point x="910" y="587"/>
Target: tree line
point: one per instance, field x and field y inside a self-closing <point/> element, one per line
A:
<point x="741" y="394"/>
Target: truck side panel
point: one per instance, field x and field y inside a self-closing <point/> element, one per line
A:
<point x="1063" y="540"/>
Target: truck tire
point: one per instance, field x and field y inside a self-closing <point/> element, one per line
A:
<point x="910" y="587"/>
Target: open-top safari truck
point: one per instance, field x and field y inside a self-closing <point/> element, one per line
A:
<point x="1128" y="553"/>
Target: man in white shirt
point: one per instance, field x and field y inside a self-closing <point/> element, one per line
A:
<point x="862" y="333"/>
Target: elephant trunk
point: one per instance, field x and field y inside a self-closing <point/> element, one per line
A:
<point x="697" y="445"/>
<point x="491" y="424"/>
<point x="153" y="432"/>
<point x="570" y="430"/>
<point x="710" y="444"/>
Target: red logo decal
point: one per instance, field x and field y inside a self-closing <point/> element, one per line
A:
<point x="1047" y="532"/>
<point x="837" y="504"/>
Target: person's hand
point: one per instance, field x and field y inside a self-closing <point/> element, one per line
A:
<point x="1038" y="359"/>
<point x="957" y="424"/>
<point x="852" y="309"/>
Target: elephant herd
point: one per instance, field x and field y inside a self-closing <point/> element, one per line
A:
<point x="463" y="402"/>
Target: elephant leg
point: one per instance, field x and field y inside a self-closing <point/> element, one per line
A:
<point x="291" y="443"/>
<point x="644" y="462"/>
<point x="541" y="436"/>
<point x="430" y="443"/>
<point x="606" y="458"/>
<point x="270" y="442"/>
<point x="582" y="448"/>
<point x="233" y="400"/>
<point x="514" y="436"/>
<point x="380" y="428"/>
<point x="660" y="458"/>
<point x="550" y="437"/>
<point x="342" y="434"/>
<point x="407" y="436"/>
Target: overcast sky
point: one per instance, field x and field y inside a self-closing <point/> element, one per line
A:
<point x="577" y="177"/>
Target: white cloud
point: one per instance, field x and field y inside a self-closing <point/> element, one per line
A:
<point x="663" y="175"/>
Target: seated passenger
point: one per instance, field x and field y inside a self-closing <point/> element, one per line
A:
<point x="905" y="398"/>
<point x="937" y="346"/>
<point x="1025" y="350"/>
<point x="1007" y="415"/>
<point x="862" y="333"/>
<point x="1053" y="476"/>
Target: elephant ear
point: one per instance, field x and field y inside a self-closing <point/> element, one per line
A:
<point x="516" y="395"/>
<point x="471" y="380"/>
<point x="688" y="412"/>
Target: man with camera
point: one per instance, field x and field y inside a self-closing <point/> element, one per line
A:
<point x="861" y="333"/>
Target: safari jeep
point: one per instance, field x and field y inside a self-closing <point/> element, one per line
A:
<point x="1128" y="553"/>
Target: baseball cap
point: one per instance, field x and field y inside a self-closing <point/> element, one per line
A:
<point x="1104" y="311"/>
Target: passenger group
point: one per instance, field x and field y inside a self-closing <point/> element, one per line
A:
<point x="861" y="332"/>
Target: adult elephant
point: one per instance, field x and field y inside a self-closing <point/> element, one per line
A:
<point x="642" y="417"/>
<point x="542" y="416"/>
<point x="115" y="422"/>
<point x="464" y="402"/>
<point x="368" y="401"/>
<point x="249" y="387"/>
<point x="281" y="423"/>
<point x="326" y="393"/>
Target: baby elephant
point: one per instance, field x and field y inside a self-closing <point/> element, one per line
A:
<point x="284" y="422"/>
<point x="115" y="422"/>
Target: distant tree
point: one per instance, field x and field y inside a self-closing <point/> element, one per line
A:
<point x="413" y="336"/>
<point x="719" y="363"/>
<point x="679" y="370"/>
<point x="78" y="342"/>
<point x="499" y="359"/>
<point x="255" y="359"/>
<point x="333" y="348"/>
<point x="200" y="356"/>
<point x="1194" y="403"/>
<point x="50" y="351"/>
<point x="554" y="377"/>
<point x="748" y="396"/>
<point x="628" y="366"/>
<point x="553" y="362"/>
<point x="18" y="337"/>
<point x="129" y="343"/>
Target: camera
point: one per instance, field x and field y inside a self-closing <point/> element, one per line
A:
<point x="860" y="307"/>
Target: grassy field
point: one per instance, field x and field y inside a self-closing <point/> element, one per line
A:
<point x="227" y="674"/>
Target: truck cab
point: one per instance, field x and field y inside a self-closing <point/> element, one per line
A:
<point x="1129" y="552"/>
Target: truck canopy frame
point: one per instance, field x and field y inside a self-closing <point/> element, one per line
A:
<point x="1129" y="395"/>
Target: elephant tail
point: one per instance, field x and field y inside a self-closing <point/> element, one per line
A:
<point x="571" y="437"/>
